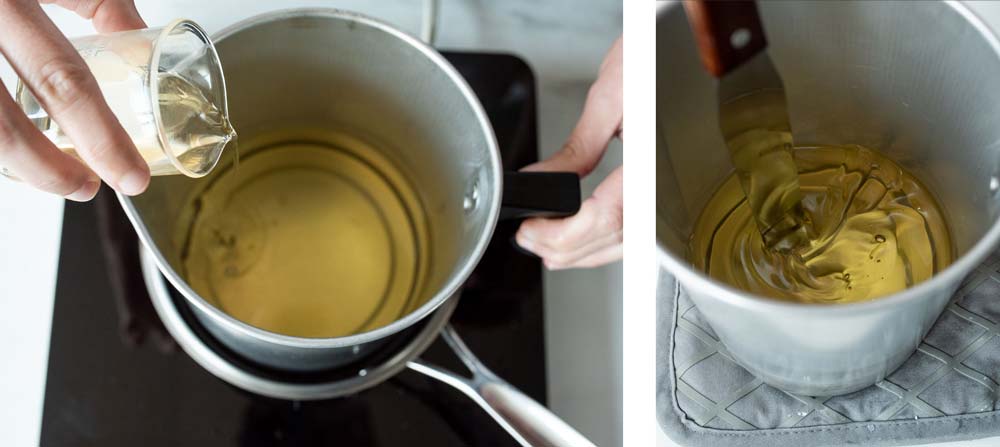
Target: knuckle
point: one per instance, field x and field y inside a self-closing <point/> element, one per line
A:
<point x="613" y="221"/>
<point x="561" y="241"/>
<point x="614" y="231"/>
<point x="575" y="149"/>
<point x="62" y="181"/>
<point x="574" y="145"/>
<point x="610" y="214"/>
<point x="61" y="84"/>
<point x="108" y="159"/>
<point x="102" y="152"/>
<point x="88" y="9"/>
<point x="9" y="5"/>
<point x="598" y="94"/>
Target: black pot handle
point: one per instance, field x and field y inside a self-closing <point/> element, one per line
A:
<point x="540" y="194"/>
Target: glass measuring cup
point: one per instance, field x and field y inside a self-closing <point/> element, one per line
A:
<point x="165" y="86"/>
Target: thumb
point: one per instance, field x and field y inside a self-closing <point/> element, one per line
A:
<point x="108" y="15"/>
<point x="600" y="121"/>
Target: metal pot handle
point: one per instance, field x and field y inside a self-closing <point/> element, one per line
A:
<point x="530" y="423"/>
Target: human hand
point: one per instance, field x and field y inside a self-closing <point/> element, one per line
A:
<point x="593" y="236"/>
<point x="58" y="77"/>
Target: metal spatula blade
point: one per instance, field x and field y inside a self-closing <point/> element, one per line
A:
<point x="753" y="114"/>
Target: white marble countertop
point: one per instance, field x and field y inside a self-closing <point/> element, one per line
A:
<point x="563" y="40"/>
<point x="990" y="13"/>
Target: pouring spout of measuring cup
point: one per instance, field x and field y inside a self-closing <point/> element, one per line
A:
<point x="527" y="421"/>
<point x="167" y="90"/>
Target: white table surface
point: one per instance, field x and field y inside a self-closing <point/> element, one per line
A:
<point x="563" y="40"/>
<point x="989" y="12"/>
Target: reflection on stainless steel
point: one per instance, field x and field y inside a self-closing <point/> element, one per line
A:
<point x="862" y="73"/>
<point x="527" y="421"/>
<point x="137" y="320"/>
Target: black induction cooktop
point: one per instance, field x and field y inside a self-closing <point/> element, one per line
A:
<point x="115" y="377"/>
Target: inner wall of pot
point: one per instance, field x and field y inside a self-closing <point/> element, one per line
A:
<point x="854" y="73"/>
<point x="333" y="74"/>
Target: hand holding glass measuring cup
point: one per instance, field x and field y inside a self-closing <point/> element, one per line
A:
<point x="164" y="109"/>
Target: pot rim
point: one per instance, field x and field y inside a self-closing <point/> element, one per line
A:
<point x="447" y="291"/>
<point x="689" y="277"/>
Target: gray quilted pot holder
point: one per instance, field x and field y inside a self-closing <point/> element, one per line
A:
<point x="948" y="390"/>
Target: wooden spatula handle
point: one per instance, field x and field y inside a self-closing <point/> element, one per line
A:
<point x="728" y="32"/>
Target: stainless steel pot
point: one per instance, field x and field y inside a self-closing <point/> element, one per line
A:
<point x="919" y="81"/>
<point x="324" y="68"/>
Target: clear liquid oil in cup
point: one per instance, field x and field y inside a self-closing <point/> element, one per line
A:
<point x="165" y="86"/>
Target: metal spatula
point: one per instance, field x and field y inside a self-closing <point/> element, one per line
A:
<point x="753" y="114"/>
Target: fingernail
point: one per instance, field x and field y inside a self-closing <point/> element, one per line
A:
<point x="133" y="182"/>
<point x="86" y="192"/>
